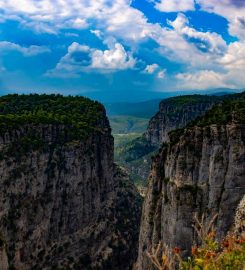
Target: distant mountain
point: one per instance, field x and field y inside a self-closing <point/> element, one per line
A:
<point x="222" y="91"/>
<point x="138" y="109"/>
<point x="118" y="96"/>
<point x="148" y="108"/>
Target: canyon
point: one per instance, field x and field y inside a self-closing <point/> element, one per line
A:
<point x="173" y="113"/>
<point x="65" y="204"/>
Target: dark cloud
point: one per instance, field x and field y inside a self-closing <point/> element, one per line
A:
<point x="238" y="3"/>
<point x="242" y="21"/>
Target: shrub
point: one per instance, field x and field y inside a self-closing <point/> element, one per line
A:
<point x="208" y="255"/>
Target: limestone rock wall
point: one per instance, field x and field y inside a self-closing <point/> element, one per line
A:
<point x="171" y="117"/>
<point x="202" y="172"/>
<point x="62" y="202"/>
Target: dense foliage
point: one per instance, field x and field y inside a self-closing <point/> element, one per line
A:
<point x="230" y="255"/>
<point x="80" y="114"/>
<point x="123" y="124"/>
<point x="176" y="105"/>
<point x="137" y="149"/>
<point x="180" y="101"/>
<point x="231" y="109"/>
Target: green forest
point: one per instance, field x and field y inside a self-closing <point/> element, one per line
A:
<point x="231" y="109"/>
<point x="82" y="115"/>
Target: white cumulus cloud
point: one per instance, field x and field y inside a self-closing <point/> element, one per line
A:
<point x="175" y="5"/>
<point x="114" y="18"/>
<point x="116" y="58"/>
<point x="209" y="59"/>
<point x="81" y="58"/>
<point x="50" y="16"/>
<point x="232" y="10"/>
<point x="201" y="80"/>
<point x="208" y="41"/>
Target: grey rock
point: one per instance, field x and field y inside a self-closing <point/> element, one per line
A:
<point x="66" y="205"/>
<point x="171" y="117"/>
<point x="203" y="172"/>
<point x="174" y="113"/>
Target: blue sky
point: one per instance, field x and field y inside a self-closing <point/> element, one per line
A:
<point x="121" y="48"/>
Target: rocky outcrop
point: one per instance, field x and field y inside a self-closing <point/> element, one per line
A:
<point x="200" y="172"/>
<point x="239" y="224"/>
<point x="3" y="258"/>
<point x="176" y="113"/>
<point x="173" y="113"/>
<point x="64" y="204"/>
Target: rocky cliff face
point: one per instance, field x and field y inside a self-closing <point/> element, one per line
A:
<point x="64" y="205"/>
<point x="173" y="113"/>
<point x="176" y="113"/>
<point x="239" y="224"/>
<point x="201" y="171"/>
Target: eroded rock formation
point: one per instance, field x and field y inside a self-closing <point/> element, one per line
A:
<point x="174" y="113"/>
<point x="63" y="203"/>
<point x="201" y="171"/>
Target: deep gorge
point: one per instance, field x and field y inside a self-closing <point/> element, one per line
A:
<point x="65" y="204"/>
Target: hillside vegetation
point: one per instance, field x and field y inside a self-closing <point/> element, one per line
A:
<point x="82" y="115"/>
<point x="231" y="109"/>
<point x="126" y="124"/>
<point x="208" y="254"/>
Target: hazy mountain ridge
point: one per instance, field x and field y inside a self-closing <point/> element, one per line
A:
<point x="143" y="109"/>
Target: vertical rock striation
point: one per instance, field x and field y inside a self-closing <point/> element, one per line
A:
<point x="176" y="113"/>
<point x="63" y="204"/>
<point x="201" y="171"/>
<point x="3" y="258"/>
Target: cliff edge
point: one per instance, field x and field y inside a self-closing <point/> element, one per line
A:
<point x="64" y="204"/>
<point x="201" y="171"/>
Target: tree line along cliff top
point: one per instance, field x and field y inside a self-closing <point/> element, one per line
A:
<point x="174" y="106"/>
<point x="188" y="100"/>
<point x="230" y="110"/>
<point x="82" y="114"/>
